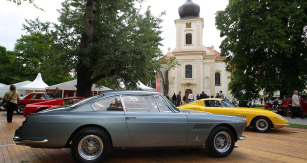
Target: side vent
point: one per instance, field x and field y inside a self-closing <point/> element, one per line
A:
<point x="202" y="126"/>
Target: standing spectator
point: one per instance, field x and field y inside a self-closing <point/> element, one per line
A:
<point x="184" y="98"/>
<point x="197" y="97"/>
<point x="178" y="98"/>
<point x="203" y="95"/>
<point x="174" y="99"/>
<point x="57" y="93"/>
<point x="217" y="95"/>
<point x="261" y="100"/>
<point x="221" y="95"/>
<point x="191" y="97"/>
<point x="13" y="96"/>
<point x="212" y="96"/>
<point x="296" y="105"/>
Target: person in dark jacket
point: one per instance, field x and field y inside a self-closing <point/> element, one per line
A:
<point x="174" y="99"/>
<point x="197" y="97"/>
<point x="184" y="98"/>
<point x="178" y="98"/>
<point x="203" y="95"/>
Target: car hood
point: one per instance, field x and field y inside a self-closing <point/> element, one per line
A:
<point x="255" y="110"/>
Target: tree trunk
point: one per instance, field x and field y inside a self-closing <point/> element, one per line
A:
<point x="84" y="74"/>
<point x="165" y="84"/>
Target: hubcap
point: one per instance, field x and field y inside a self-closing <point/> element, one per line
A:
<point x="262" y="125"/>
<point x="90" y="147"/>
<point x="21" y="109"/>
<point x="222" y="142"/>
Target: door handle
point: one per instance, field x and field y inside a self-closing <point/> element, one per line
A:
<point x="129" y="118"/>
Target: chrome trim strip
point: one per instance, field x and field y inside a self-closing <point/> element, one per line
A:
<point x="279" y="124"/>
<point x="241" y="137"/>
<point x="29" y="141"/>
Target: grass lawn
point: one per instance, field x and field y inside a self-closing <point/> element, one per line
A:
<point x="298" y="126"/>
<point x="259" y="107"/>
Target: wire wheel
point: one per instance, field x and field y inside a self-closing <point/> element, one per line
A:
<point x="90" y="147"/>
<point x="222" y="142"/>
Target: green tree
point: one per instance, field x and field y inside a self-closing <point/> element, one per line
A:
<point x="264" y="45"/>
<point x="38" y="53"/>
<point x="18" y="2"/>
<point x="11" y="68"/>
<point x="163" y="71"/>
<point x="108" y="39"/>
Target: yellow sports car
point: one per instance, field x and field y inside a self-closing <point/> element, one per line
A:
<point x="261" y="120"/>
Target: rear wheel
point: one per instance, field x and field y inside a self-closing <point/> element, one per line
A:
<point x="220" y="142"/>
<point x="21" y="109"/>
<point x="90" y="145"/>
<point x="262" y="124"/>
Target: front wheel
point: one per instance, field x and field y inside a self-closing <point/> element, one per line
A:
<point x="20" y="109"/>
<point x="220" y="142"/>
<point x="90" y="145"/>
<point x="262" y="124"/>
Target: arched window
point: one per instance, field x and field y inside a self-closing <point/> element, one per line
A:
<point x="217" y="79"/>
<point x="188" y="38"/>
<point x="188" y="71"/>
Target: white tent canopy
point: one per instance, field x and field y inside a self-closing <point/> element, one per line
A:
<point x="37" y="84"/>
<point x="2" y="85"/>
<point x="71" y="85"/>
<point x="18" y="85"/>
<point x="139" y="85"/>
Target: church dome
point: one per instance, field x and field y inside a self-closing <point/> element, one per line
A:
<point x="189" y="10"/>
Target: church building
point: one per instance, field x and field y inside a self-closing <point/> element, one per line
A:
<point x="201" y="68"/>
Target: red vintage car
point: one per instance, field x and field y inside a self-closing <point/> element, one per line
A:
<point x="34" y="97"/>
<point x="34" y="108"/>
<point x="284" y="106"/>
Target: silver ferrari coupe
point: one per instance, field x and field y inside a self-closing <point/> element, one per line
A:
<point x="128" y="120"/>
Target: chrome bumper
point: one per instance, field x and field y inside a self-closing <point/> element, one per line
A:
<point x="21" y="141"/>
<point x="279" y="124"/>
<point x="241" y="137"/>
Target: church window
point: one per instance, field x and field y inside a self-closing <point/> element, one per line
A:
<point x="188" y="71"/>
<point x="188" y="38"/>
<point x="217" y="79"/>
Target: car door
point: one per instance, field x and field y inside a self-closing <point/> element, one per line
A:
<point x="151" y="121"/>
<point x="215" y="107"/>
<point x="304" y="103"/>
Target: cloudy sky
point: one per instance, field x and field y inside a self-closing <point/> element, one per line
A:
<point x="12" y="17"/>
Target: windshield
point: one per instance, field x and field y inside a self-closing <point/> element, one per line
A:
<point x="50" y="96"/>
<point x="173" y="106"/>
<point x="227" y="104"/>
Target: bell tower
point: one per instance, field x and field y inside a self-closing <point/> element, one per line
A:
<point x="189" y="28"/>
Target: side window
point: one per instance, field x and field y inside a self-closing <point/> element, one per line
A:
<point x="108" y="104"/>
<point x="67" y="102"/>
<point x="161" y="104"/>
<point x="38" y="96"/>
<point x="212" y="103"/>
<point x="140" y="104"/>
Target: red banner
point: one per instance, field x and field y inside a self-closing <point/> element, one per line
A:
<point x="158" y="85"/>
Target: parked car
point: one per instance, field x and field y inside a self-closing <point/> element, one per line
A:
<point x="36" y="107"/>
<point x="34" y="97"/>
<point x="284" y="105"/>
<point x="128" y="120"/>
<point x="261" y="120"/>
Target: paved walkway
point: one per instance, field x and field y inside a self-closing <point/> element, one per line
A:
<point x="286" y="145"/>
<point x="298" y="120"/>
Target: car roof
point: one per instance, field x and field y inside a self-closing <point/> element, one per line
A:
<point x="128" y="92"/>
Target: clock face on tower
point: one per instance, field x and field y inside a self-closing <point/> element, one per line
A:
<point x="188" y="25"/>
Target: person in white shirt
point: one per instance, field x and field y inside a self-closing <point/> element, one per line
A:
<point x="191" y="97"/>
<point x="296" y="105"/>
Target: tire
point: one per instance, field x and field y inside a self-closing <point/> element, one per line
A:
<point x="262" y="124"/>
<point x="220" y="142"/>
<point x="90" y="145"/>
<point x="288" y="111"/>
<point x="20" y="109"/>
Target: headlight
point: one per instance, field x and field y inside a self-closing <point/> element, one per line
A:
<point x="279" y="116"/>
